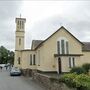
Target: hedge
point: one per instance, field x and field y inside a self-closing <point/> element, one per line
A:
<point x="81" y="82"/>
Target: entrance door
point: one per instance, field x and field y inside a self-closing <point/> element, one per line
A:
<point x="59" y="65"/>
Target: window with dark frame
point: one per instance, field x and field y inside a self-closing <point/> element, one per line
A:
<point x="34" y="60"/>
<point x="20" y="25"/>
<point x="58" y="47"/>
<point x="19" y="60"/>
<point x="19" y="41"/>
<point x="38" y="57"/>
<point x="73" y="59"/>
<point x="71" y="62"/>
<point x="67" y="48"/>
<point x="30" y="59"/>
<point x="62" y="47"/>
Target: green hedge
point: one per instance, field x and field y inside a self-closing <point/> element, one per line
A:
<point x="81" y="82"/>
<point x="78" y="70"/>
<point x="86" y="67"/>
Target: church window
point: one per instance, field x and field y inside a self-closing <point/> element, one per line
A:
<point x="34" y="60"/>
<point x="67" y="47"/>
<point x="71" y="62"/>
<point x="20" y="24"/>
<point x="58" y="47"/>
<point x="30" y="59"/>
<point x="38" y="57"/>
<point x="19" y="60"/>
<point x="19" y="41"/>
<point x="62" y="46"/>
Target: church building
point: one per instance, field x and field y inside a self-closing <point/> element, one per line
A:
<point x="58" y="53"/>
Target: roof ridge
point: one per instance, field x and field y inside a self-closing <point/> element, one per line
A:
<point x="56" y="32"/>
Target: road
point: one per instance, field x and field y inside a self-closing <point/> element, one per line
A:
<point x="17" y="83"/>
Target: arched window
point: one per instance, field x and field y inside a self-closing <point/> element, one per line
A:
<point x="62" y="46"/>
<point x="71" y="62"/>
<point x="30" y="59"/>
<point x="19" y="41"/>
<point x="19" y="60"/>
<point x="34" y="60"/>
<point x="58" y="47"/>
<point x="20" y="24"/>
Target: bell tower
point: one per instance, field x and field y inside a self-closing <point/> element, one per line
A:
<point x="20" y="31"/>
<point x="19" y="40"/>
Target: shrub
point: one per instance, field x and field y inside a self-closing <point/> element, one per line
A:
<point x="81" y="82"/>
<point x="68" y="79"/>
<point x="77" y="70"/>
<point x="86" y="67"/>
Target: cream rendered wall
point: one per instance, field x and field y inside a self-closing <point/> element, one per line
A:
<point x="65" y="63"/>
<point x="86" y="57"/>
<point x="49" y="48"/>
<point x="19" y="35"/>
<point x="19" y="47"/>
<point x="25" y="61"/>
<point x="17" y="55"/>
<point x="44" y="64"/>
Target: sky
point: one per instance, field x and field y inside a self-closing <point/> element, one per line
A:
<point x="43" y="18"/>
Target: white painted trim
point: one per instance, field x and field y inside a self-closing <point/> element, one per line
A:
<point x="60" y="38"/>
<point x="71" y="61"/>
<point x="65" y="39"/>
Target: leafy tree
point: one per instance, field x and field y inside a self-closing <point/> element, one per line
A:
<point x="6" y="56"/>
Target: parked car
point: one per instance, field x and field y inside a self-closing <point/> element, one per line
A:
<point x="15" y="71"/>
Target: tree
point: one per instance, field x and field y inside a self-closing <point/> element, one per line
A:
<point x="6" y="56"/>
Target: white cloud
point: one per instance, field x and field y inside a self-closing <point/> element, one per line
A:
<point x="43" y="18"/>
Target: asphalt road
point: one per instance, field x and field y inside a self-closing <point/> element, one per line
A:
<point x="17" y="83"/>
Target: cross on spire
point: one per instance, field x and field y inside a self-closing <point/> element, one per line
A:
<point x="20" y="15"/>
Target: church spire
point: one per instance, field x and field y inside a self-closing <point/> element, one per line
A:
<point x="20" y="15"/>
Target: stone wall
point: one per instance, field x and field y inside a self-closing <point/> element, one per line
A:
<point x="50" y="83"/>
<point x="27" y="72"/>
<point x="45" y="80"/>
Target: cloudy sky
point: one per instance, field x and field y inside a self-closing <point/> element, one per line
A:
<point x="43" y="18"/>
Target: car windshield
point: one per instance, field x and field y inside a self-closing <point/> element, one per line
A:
<point x="15" y="68"/>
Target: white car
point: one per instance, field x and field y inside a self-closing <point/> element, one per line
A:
<point x="15" y="71"/>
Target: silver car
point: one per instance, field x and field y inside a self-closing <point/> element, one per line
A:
<point x="15" y="71"/>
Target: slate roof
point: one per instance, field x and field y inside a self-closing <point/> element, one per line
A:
<point x="55" y="33"/>
<point x="86" y="46"/>
<point x="35" y="43"/>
